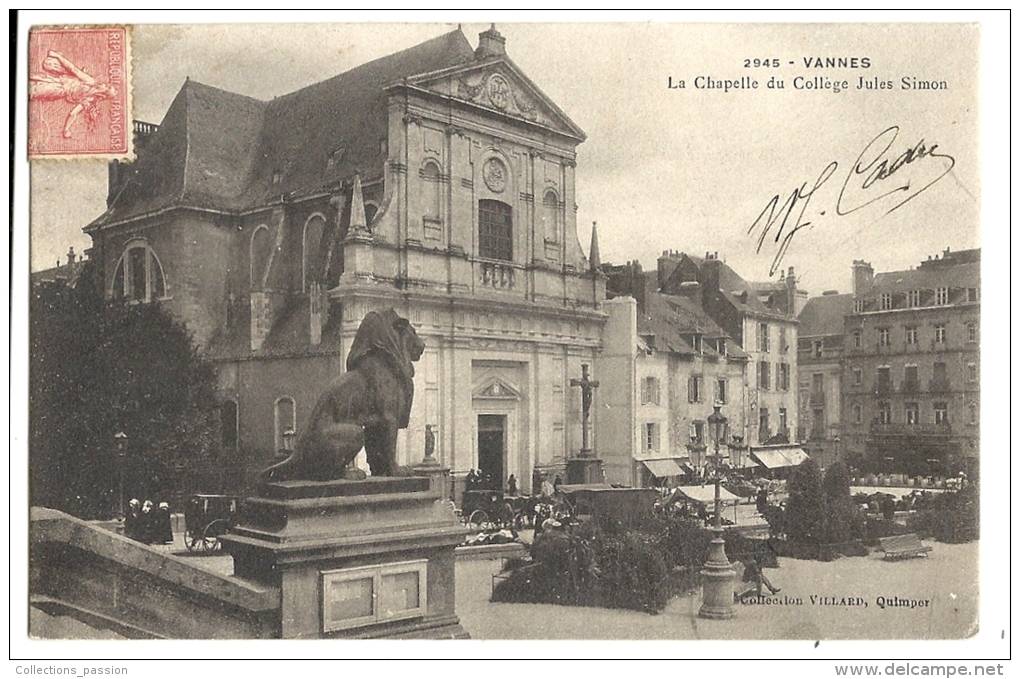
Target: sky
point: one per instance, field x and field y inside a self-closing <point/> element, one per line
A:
<point x="662" y="168"/>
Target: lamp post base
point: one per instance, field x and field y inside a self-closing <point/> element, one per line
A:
<point x="717" y="583"/>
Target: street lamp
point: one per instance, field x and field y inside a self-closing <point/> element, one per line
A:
<point x="717" y="576"/>
<point x="120" y="438"/>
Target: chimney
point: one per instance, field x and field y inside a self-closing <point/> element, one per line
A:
<point x="668" y="263"/>
<point x="864" y="277"/>
<point x="638" y="285"/>
<point x="710" y="274"/>
<point x="490" y="44"/>
<point x="70" y="256"/>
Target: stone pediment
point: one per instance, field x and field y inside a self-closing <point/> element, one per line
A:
<point x="497" y="389"/>
<point x="498" y="85"/>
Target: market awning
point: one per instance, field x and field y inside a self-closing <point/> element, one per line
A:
<point x="775" y="458"/>
<point x="706" y="494"/>
<point x="664" y="467"/>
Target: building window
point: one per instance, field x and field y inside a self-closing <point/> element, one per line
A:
<point x="763" y="337"/>
<point x="311" y="260"/>
<point x="139" y="275"/>
<point x="884" y="382"/>
<point x="972" y="294"/>
<point x="857" y="339"/>
<point x="941" y="296"/>
<point x="816" y="348"/>
<point x="858" y="415"/>
<point x="910" y="381"/>
<point x="940" y="333"/>
<point x="972" y="332"/>
<point x="940" y="377"/>
<point x="720" y="391"/>
<point x="763" y="374"/>
<point x="883" y="337"/>
<point x="764" y="433"/>
<point x="941" y="412"/>
<point x="912" y="413"/>
<point x="884" y="413"/>
<point x="972" y="413"/>
<point x="858" y="306"/>
<point x="228" y="425"/>
<point x="650" y="391"/>
<point x="285" y="419"/>
<point x="783" y="377"/>
<point x="694" y="394"/>
<point x="972" y="372"/>
<point x="914" y="298"/>
<point x="721" y="346"/>
<point x="495" y="230"/>
<point x="784" y="346"/>
<point x="551" y="216"/>
<point x="885" y="300"/>
<point x="782" y="422"/>
<point x="858" y="375"/>
<point x="652" y="437"/>
<point x="698" y="432"/>
<point x="696" y="343"/>
<point x="258" y="255"/>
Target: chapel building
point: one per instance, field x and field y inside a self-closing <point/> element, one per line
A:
<point x="439" y="181"/>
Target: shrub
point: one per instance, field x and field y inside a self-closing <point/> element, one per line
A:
<point x="949" y="517"/>
<point x="805" y="509"/>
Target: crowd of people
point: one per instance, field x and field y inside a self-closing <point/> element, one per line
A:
<point x="148" y="523"/>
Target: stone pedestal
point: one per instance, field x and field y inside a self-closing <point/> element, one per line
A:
<point x="438" y="476"/>
<point x="585" y="470"/>
<point x="717" y="582"/>
<point x="366" y="559"/>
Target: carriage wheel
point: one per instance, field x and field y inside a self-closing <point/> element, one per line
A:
<point x="479" y="519"/>
<point x="193" y="541"/>
<point x="212" y="533"/>
<point x="505" y="516"/>
<point x="521" y="520"/>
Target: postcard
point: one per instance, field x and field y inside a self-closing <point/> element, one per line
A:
<point x="659" y="331"/>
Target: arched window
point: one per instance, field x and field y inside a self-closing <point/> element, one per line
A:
<point x="311" y="261"/>
<point x="139" y="275"/>
<point x="228" y="425"/>
<point x="551" y="216"/>
<point x="285" y="418"/>
<point x="261" y="248"/>
<point x="495" y="230"/>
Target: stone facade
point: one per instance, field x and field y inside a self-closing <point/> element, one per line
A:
<point x="911" y="368"/>
<point x="444" y="189"/>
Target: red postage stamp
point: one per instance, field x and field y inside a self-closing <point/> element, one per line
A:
<point x="79" y="92"/>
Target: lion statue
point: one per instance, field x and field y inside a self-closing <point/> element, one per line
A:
<point x="362" y="408"/>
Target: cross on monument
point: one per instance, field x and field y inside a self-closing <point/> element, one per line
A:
<point x="588" y="386"/>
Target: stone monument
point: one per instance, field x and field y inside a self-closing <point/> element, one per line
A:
<point x="355" y="558"/>
<point x="586" y="468"/>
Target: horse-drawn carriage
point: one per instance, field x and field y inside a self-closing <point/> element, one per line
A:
<point x="206" y="518"/>
<point x="483" y="509"/>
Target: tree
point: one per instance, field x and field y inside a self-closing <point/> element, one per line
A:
<point x="100" y="369"/>
<point x="843" y="522"/>
<point x="805" y="509"/>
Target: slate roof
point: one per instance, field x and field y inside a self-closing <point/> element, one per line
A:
<point x="220" y="149"/>
<point x="824" y="315"/>
<point x="737" y="291"/>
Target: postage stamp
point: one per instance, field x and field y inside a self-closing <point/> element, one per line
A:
<point x="79" y="92"/>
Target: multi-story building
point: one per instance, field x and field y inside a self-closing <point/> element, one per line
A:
<point x="438" y="181"/>
<point x="911" y="386"/>
<point x="820" y="366"/>
<point x="765" y="327"/>
<point x="664" y="365"/>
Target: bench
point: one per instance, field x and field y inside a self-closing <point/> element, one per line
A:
<point x="741" y="588"/>
<point x="898" y="546"/>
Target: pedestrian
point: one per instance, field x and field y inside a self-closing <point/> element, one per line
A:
<point x="164" y="532"/>
<point x="131" y="519"/>
<point x="762" y="500"/>
<point x="754" y="573"/>
<point x="547" y="488"/>
<point x="471" y="480"/>
<point x="146" y="523"/>
<point x="511" y="485"/>
<point x="557" y="483"/>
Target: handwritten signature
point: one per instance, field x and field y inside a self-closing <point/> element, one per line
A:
<point x="869" y="181"/>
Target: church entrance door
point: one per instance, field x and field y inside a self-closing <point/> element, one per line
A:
<point x="492" y="449"/>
